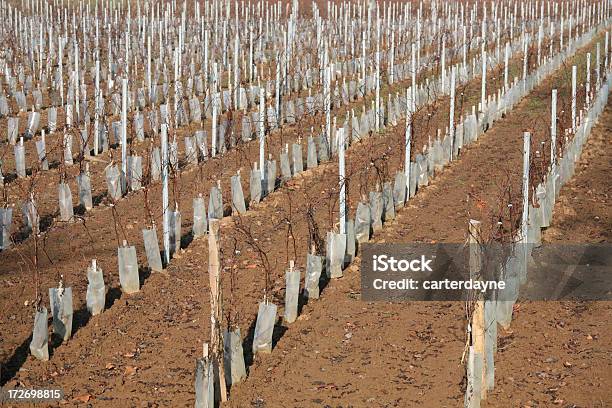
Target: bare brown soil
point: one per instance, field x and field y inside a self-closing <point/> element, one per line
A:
<point x="558" y="353"/>
<point x="408" y="355"/>
<point x="340" y="352"/>
<point x="98" y="233"/>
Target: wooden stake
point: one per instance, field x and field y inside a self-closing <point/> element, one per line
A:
<point x="216" y="305"/>
<point x="478" y="325"/>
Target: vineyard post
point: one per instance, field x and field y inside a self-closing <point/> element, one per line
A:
<point x="127" y="49"/>
<point x="588" y="79"/>
<point x="262" y="130"/>
<point x="177" y="90"/>
<point x="277" y="95"/>
<point x="96" y="110"/>
<point x="464" y="47"/>
<point x="413" y="62"/>
<point x="569" y="30"/>
<point x="377" y="78"/>
<point x="110" y="64"/>
<point x="561" y="34"/>
<point x="205" y="62"/>
<point x="524" y="219"/>
<point x="392" y="58"/>
<point x="408" y="135"/>
<point x="483" y="84"/>
<point x="525" y="58"/>
<point x="497" y="36"/>
<point x="368" y="30"/>
<point x="443" y="63"/>
<point x="236" y="68"/>
<point x="574" y="72"/>
<point x="418" y="47"/>
<point x="149" y="85"/>
<point x="451" y="124"/>
<point x="363" y="60"/>
<point x="553" y="129"/>
<point x="483" y="26"/>
<point x="215" y="99"/>
<point x="597" y="69"/>
<point x="250" y="54"/>
<point x="124" y="135"/>
<point x="478" y="318"/>
<point x="40" y="51"/>
<point x="61" y="69"/>
<point x="76" y="80"/>
<point x="164" y="177"/>
<point x="230" y="90"/>
<point x="327" y="97"/>
<point x="285" y="64"/>
<point x="261" y="36"/>
<point x="552" y="34"/>
<point x="342" y="176"/>
<point x="216" y="305"/>
<point x="540" y="36"/>
<point x="506" y="58"/>
<point x="606" y="51"/>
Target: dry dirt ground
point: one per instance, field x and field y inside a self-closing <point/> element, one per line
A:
<point x="341" y="352"/>
<point x="348" y="353"/>
<point x="390" y="355"/>
<point x="560" y="353"/>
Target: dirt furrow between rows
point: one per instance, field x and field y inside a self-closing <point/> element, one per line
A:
<point x="331" y="356"/>
<point x="566" y="362"/>
<point x="98" y="234"/>
<point x="169" y="319"/>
